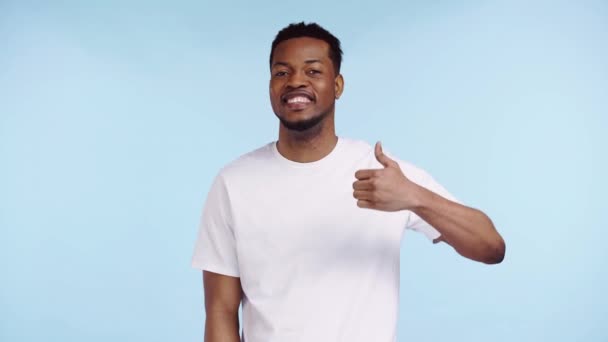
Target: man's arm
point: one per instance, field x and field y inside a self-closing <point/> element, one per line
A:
<point x="468" y="230"/>
<point x="223" y="296"/>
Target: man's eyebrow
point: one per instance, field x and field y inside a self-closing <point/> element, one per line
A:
<point x="308" y="61"/>
<point x="280" y="63"/>
<point x="311" y="61"/>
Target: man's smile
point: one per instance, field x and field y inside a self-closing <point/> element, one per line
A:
<point x="297" y="100"/>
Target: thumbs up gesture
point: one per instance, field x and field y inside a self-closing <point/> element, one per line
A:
<point x="386" y="189"/>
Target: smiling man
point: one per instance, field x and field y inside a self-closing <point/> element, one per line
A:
<point x="306" y="230"/>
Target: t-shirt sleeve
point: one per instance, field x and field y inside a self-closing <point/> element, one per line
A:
<point x="215" y="247"/>
<point x="422" y="178"/>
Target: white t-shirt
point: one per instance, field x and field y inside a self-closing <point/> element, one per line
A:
<point x="313" y="266"/>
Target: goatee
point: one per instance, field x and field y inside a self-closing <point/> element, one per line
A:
<point x="303" y="125"/>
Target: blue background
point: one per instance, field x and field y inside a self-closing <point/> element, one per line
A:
<point x="114" y="118"/>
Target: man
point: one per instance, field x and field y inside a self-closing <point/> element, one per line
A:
<point x="306" y="231"/>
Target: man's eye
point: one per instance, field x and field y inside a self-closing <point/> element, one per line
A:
<point x="280" y="73"/>
<point x="314" y="72"/>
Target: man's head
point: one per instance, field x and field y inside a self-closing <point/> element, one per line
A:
<point x="305" y="75"/>
<point x="311" y="30"/>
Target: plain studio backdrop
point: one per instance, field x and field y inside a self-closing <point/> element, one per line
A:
<point x="115" y="116"/>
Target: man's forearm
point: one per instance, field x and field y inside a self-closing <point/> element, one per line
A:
<point x="468" y="230"/>
<point x="222" y="328"/>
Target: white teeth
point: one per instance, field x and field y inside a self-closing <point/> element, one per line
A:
<point x="299" y="99"/>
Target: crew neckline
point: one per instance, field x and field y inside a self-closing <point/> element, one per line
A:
<point x="308" y="165"/>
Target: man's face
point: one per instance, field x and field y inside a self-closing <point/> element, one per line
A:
<point x="303" y="83"/>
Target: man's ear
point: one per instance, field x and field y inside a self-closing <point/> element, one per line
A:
<point x="339" y="86"/>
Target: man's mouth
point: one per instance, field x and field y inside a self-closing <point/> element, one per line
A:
<point x="297" y="100"/>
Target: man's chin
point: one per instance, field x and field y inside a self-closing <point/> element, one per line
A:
<point x="301" y="125"/>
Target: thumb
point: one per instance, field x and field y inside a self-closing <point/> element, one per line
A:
<point x="381" y="157"/>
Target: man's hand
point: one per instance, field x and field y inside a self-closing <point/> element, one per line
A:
<point x="386" y="189"/>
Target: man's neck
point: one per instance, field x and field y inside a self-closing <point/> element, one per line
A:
<point x="307" y="146"/>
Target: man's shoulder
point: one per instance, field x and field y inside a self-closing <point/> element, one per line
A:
<point x="248" y="162"/>
<point x="356" y="144"/>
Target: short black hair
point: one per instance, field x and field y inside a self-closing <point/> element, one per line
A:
<point x="312" y="30"/>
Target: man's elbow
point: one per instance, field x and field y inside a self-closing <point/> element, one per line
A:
<point x="495" y="251"/>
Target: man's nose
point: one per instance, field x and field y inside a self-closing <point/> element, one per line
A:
<point x="297" y="80"/>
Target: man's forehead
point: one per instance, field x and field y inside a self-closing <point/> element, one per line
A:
<point x="303" y="49"/>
